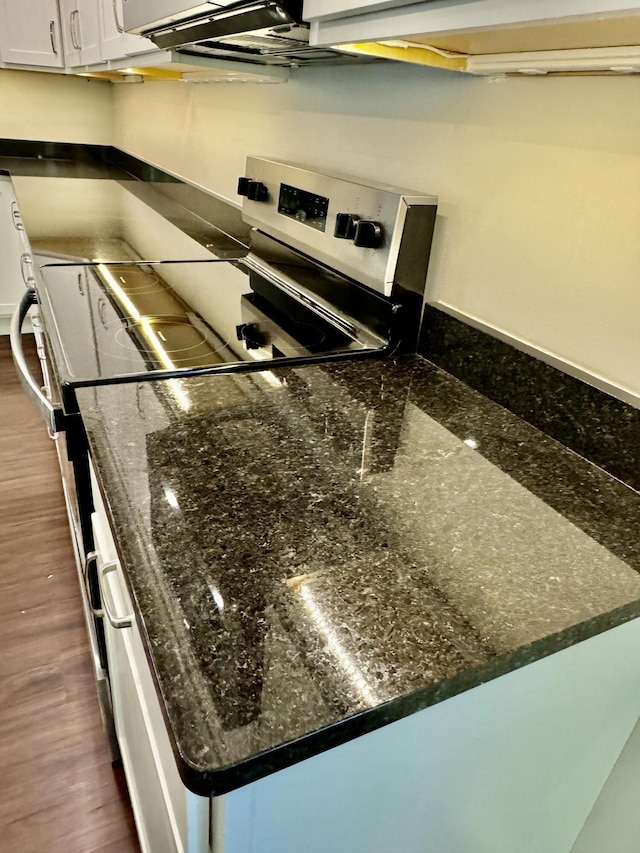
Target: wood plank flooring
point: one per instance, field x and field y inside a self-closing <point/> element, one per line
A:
<point x="58" y="790"/>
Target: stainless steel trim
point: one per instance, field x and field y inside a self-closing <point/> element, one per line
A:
<point x="49" y="413"/>
<point x="73" y="17"/>
<point x="119" y="26"/>
<point x="395" y="243"/>
<point x="115" y="621"/>
<point x="388" y="207"/>
<point x="52" y="36"/>
<point x="309" y="300"/>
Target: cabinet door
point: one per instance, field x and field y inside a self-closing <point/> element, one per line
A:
<point x="30" y="33"/>
<point x="81" y="32"/>
<point x="169" y="818"/>
<point x="116" y="43"/>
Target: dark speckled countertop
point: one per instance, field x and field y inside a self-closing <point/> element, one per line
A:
<point x="316" y="552"/>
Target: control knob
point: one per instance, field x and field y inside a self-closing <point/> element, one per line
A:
<point x="254" y="190"/>
<point x="369" y="234"/>
<point x="346" y="226"/>
<point x="250" y="335"/>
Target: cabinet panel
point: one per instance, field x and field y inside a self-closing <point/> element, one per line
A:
<point x="116" y="43"/>
<point x="153" y="820"/>
<point x="30" y="33"/>
<point x="169" y="818"/>
<point x="81" y="32"/>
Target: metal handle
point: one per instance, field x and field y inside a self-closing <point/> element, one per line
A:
<point x="119" y="26"/>
<point x="80" y="286"/>
<point x="51" y="416"/>
<point x="52" y="36"/>
<point x="315" y="303"/>
<point x="114" y="621"/>
<point x="91" y="560"/>
<point x="73" y="17"/>
<point x="26" y="261"/>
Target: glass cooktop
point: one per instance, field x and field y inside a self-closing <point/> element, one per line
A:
<point x="108" y="321"/>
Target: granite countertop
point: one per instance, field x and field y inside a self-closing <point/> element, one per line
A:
<point x="316" y="552"/>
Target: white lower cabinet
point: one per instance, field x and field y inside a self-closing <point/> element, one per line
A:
<point x="515" y="764"/>
<point x="169" y="818"/>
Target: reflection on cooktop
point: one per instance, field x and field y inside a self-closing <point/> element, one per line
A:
<point x="138" y="318"/>
<point x="172" y="341"/>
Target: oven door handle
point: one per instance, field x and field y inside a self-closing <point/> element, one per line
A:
<point x="51" y="415"/>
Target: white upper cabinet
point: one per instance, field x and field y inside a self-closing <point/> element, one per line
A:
<point x="81" y="32"/>
<point x="72" y="34"/>
<point x="116" y="43"/>
<point x="483" y="26"/>
<point x="30" y="33"/>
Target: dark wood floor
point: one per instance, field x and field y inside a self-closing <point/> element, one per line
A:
<point x="58" y="791"/>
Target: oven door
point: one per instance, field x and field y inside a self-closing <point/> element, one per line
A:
<point x="67" y="433"/>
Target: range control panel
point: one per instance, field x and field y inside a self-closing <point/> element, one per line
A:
<point x="343" y="222"/>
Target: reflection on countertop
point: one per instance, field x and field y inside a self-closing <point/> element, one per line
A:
<point x="82" y="218"/>
<point x="317" y="551"/>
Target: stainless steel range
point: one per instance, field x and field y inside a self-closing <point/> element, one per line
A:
<point x="335" y="270"/>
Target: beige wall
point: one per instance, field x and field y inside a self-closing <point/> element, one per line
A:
<point x="55" y="108"/>
<point x="539" y="183"/>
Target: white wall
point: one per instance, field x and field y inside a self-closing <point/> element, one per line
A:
<point x="539" y="183"/>
<point x="51" y="108"/>
<point x="55" y="108"/>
